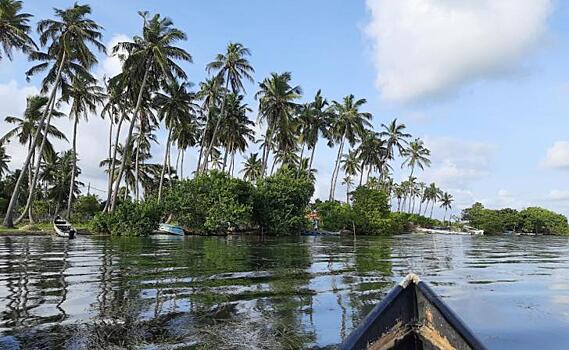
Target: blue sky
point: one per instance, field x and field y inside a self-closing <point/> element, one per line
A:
<point x="484" y="84"/>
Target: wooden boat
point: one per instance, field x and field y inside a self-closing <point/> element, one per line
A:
<point x="171" y="229"/>
<point x="411" y="317"/>
<point x="63" y="228"/>
<point x="319" y="233"/>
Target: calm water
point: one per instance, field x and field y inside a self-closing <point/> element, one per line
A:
<point x="302" y="292"/>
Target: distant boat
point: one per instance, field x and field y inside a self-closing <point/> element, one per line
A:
<point x="411" y="317"/>
<point x="63" y="228"/>
<point x="171" y="229"/>
<point x="319" y="233"/>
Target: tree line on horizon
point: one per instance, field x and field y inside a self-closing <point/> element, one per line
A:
<point x="152" y="91"/>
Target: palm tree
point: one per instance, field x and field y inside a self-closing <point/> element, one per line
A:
<point x="231" y="67"/>
<point x="176" y="106"/>
<point x="236" y="131"/>
<point x="86" y="95"/>
<point x="348" y="182"/>
<point x="150" y="56"/>
<point x="372" y="153"/>
<point x="350" y="164"/>
<point x="186" y="136"/>
<point x="252" y="168"/>
<point x="446" y="203"/>
<point x="4" y="160"/>
<point x="14" y="28"/>
<point x="210" y="93"/>
<point x="276" y="107"/>
<point x="349" y="124"/>
<point x="71" y="56"/>
<point x="416" y="155"/>
<point x="396" y="137"/>
<point x="24" y="131"/>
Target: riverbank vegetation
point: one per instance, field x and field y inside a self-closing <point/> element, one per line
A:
<point x="152" y="100"/>
<point x="529" y="220"/>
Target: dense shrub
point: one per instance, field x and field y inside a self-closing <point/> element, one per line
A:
<point x="213" y="202"/>
<point x="335" y="216"/>
<point x="280" y="202"/>
<point x="371" y="210"/>
<point x="129" y="219"/>
<point x="85" y="207"/>
<point x="534" y="219"/>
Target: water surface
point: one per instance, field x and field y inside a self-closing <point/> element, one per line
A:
<point x="244" y="292"/>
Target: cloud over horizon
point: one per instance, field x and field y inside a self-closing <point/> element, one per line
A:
<point x="428" y="48"/>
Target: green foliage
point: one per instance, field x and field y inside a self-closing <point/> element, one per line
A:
<point x="85" y="207"/>
<point x="335" y="216"/>
<point x="371" y="209"/>
<point x="280" y="202"/>
<point x="129" y="219"/>
<point x="530" y="220"/>
<point x="212" y="202"/>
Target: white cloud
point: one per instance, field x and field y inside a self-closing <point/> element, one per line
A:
<point x="455" y="163"/>
<point x="505" y="199"/>
<point x="423" y="48"/>
<point x="557" y="157"/>
<point x="558" y="195"/>
<point x="111" y="65"/>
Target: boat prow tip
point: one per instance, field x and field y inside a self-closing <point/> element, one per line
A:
<point x="411" y="278"/>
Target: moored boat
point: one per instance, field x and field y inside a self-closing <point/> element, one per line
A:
<point x="63" y="228"/>
<point x="171" y="229"/>
<point x="411" y="316"/>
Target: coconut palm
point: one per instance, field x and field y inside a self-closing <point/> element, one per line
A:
<point x="4" y="160"/>
<point x="69" y="37"/>
<point x="350" y="164"/>
<point x="396" y="137"/>
<point x="185" y="135"/>
<point x="236" y="131"/>
<point x="349" y="124"/>
<point x="446" y="203"/>
<point x="348" y="182"/>
<point x="417" y="155"/>
<point x="61" y="176"/>
<point x="86" y="96"/>
<point x="14" y="28"/>
<point x="149" y="59"/>
<point x="175" y="107"/>
<point x="232" y="68"/>
<point x="211" y="93"/>
<point x="372" y="153"/>
<point x="252" y="168"/>
<point x="276" y="107"/>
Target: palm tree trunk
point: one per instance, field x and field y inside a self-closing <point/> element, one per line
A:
<point x="300" y="162"/>
<point x="266" y="150"/>
<point x="164" y="165"/>
<point x="311" y="158"/>
<point x="432" y="206"/>
<point x="112" y="161"/>
<point x="37" y="166"/>
<point x="336" y="169"/>
<point x="362" y="172"/>
<point x="232" y="163"/>
<point x="216" y="129"/>
<point x="74" y="166"/>
<point x="178" y="163"/>
<point x="30" y="172"/>
<point x="426" y="207"/>
<point x="137" y="167"/>
<point x="129" y="136"/>
<point x="8" y="218"/>
<point x="348" y="193"/>
<point x="225" y="159"/>
<point x="182" y="164"/>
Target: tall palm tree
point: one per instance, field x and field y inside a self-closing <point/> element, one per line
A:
<point x="252" y="168"/>
<point x="232" y="68"/>
<point x="276" y="107"/>
<point x="69" y="36"/>
<point x="4" y="160"/>
<point x="446" y="203"/>
<point x="349" y="124"/>
<point x="372" y="153"/>
<point x="417" y="155"/>
<point x="186" y="136"/>
<point x="396" y="137"/>
<point x="86" y="96"/>
<point x="150" y="57"/>
<point x="350" y="164"/>
<point x="175" y="107"/>
<point x="236" y="131"/>
<point x="348" y="182"/>
<point x="318" y="124"/>
<point x="210" y="92"/>
<point x="14" y="28"/>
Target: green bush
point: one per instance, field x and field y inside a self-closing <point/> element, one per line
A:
<point x="212" y="202"/>
<point x="371" y="208"/>
<point x="280" y="202"/>
<point x="335" y="216"/>
<point x="129" y="219"/>
<point x="85" y="207"/>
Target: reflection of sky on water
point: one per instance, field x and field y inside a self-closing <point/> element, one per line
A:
<point x="512" y="291"/>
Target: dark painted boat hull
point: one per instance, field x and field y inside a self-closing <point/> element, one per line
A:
<point x="411" y="316"/>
